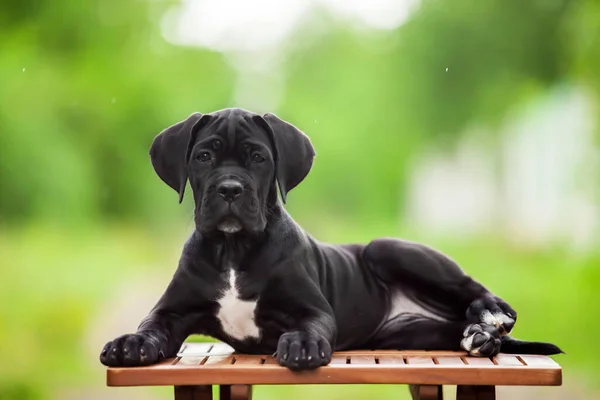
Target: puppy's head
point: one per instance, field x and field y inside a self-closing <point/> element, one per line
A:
<point x="234" y="161"/>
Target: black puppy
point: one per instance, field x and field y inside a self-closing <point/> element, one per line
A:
<point x="251" y="277"/>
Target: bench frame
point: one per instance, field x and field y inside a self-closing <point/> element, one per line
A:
<point x="199" y="366"/>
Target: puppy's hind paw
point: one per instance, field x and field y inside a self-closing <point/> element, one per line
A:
<point x="481" y="340"/>
<point x="492" y="310"/>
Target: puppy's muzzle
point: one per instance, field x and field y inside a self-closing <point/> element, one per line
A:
<point x="230" y="190"/>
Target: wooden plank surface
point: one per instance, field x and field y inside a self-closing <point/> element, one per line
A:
<point x="215" y="364"/>
<point x="508" y="360"/>
<point x="451" y="360"/>
<point x="420" y="360"/>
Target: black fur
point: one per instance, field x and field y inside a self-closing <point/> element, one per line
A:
<point x="312" y="298"/>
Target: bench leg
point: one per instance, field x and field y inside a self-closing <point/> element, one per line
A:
<point x="203" y="392"/>
<point x="426" y="392"/>
<point x="479" y="392"/>
<point x="235" y="392"/>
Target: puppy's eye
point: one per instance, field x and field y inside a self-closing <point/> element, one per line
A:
<point x="216" y="144"/>
<point x="204" y="156"/>
<point x="257" y="158"/>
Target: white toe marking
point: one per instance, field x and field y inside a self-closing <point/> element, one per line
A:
<point x="467" y="343"/>
<point x="503" y="318"/>
<point x="487" y="318"/>
<point x="496" y="319"/>
<point x="466" y="331"/>
<point x="236" y="315"/>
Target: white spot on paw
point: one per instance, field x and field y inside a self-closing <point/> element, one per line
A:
<point x="487" y="318"/>
<point x="466" y="331"/>
<point x="503" y="318"/>
<point x="467" y="343"/>
<point x="496" y="319"/>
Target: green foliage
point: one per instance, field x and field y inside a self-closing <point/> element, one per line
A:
<point x="370" y="102"/>
<point x="85" y="89"/>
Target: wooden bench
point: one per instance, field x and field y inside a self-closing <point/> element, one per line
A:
<point x="199" y="366"/>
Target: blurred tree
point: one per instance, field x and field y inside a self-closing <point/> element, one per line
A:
<point x="455" y="63"/>
<point x="86" y="87"/>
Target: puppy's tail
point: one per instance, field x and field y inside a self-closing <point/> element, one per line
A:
<point x="516" y="346"/>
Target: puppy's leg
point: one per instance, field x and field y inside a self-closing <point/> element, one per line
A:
<point x="481" y="340"/>
<point x="303" y="349"/>
<point x="159" y="336"/>
<point x="162" y="332"/>
<point x="309" y="344"/>
<point x="437" y="279"/>
<point x="494" y="311"/>
<point x="412" y="332"/>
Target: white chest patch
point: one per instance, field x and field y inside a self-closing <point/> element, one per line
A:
<point x="402" y="304"/>
<point x="236" y="315"/>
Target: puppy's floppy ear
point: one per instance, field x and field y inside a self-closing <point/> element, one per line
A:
<point x="170" y="149"/>
<point x="294" y="153"/>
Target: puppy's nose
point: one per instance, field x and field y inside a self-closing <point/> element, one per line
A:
<point x="230" y="190"/>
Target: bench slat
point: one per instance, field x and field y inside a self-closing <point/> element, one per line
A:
<point x="270" y="360"/>
<point x="405" y="352"/>
<point x="508" y="360"/>
<point x="539" y="361"/>
<point x="242" y="360"/>
<point x="419" y="360"/>
<point x="339" y="359"/>
<point x="447" y="360"/>
<point x="190" y="360"/>
<point x="218" y="360"/>
<point x="478" y="361"/>
<point x="394" y="359"/>
<point x="362" y="360"/>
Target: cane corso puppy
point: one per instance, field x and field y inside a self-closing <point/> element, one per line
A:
<point x="251" y="277"/>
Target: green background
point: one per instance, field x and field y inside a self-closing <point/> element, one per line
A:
<point x="89" y="236"/>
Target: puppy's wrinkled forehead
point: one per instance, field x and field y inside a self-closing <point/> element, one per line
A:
<point x="234" y="126"/>
<point x="291" y="151"/>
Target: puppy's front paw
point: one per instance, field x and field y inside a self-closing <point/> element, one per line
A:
<point x="132" y="350"/>
<point x="481" y="340"/>
<point x="302" y="350"/>
<point x="494" y="311"/>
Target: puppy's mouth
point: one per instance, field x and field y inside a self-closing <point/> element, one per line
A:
<point x="229" y="225"/>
